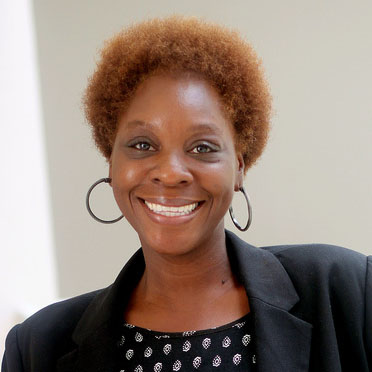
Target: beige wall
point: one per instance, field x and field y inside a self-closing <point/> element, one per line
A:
<point x="314" y="181"/>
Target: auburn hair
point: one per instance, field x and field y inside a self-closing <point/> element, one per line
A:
<point x="180" y="44"/>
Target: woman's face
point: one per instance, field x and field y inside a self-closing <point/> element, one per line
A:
<point x="174" y="167"/>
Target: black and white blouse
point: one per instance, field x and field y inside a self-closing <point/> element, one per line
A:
<point x="226" y="348"/>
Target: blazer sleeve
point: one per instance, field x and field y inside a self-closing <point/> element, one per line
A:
<point x="12" y="360"/>
<point x="368" y="312"/>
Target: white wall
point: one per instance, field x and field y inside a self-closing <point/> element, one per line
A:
<point x="27" y="269"/>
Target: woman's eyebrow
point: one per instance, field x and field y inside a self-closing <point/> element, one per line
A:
<point x="205" y="127"/>
<point x="196" y="128"/>
<point x="139" y="123"/>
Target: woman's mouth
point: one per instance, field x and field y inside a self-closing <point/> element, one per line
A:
<point x="171" y="211"/>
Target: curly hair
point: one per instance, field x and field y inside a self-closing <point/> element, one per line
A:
<point x="181" y="44"/>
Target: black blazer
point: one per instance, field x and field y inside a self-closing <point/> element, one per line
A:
<point x="312" y="309"/>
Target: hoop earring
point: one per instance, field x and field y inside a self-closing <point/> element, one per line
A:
<point x="106" y="180"/>
<point x="236" y="223"/>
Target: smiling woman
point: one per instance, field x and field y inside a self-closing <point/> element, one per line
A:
<point x="180" y="110"/>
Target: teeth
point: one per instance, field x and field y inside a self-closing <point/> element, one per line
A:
<point x="171" y="211"/>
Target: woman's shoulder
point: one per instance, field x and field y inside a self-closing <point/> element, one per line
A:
<point x="310" y="263"/>
<point x="320" y="257"/>
<point x="67" y="311"/>
<point x="48" y="331"/>
<point x="325" y="267"/>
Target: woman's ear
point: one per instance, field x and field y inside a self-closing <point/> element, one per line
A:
<point x="239" y="172"/>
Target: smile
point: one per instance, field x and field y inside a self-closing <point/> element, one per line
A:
<point x="171" y="211"/>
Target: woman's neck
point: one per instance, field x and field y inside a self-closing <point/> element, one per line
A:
<point x="188" y="287"/>
<point x="201" y="275"/>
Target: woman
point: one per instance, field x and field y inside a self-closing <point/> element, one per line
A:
<point x="180" y="110"/>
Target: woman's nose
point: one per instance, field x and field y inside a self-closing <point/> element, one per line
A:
<point x="171" y="170"/>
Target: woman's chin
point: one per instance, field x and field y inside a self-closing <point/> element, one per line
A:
<point x="170" y="244"/>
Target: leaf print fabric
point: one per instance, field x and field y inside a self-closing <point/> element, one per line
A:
<point x="167" y="349"/>
<point x="228" y="348"/>
<point x="186" y="346"/>
<point x="226" y="342"/>
<point x="148" y="352"/>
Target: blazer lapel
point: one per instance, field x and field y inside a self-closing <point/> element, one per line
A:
<point x="282" y="340"/>
<point x="96" y="353"/>
<point x="97" y="332"/>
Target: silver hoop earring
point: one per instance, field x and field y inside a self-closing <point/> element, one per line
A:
<point x="106" y="180"/>
<point x="236" y="223"/>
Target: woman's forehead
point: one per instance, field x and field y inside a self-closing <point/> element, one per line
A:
<point x="164" y="97"/>
<point x="188" y="89"/>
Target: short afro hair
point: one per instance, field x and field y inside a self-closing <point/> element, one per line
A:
<point x="178" y="44"/>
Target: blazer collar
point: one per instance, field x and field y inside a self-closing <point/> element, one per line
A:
<point x="282" y="339"/>
<point x="97" y="331"/>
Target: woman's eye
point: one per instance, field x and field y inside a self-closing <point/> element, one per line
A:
<point x="201" y="149"/>
<point x="143" y="146"/>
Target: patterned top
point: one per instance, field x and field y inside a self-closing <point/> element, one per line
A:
<point x="226" y="348"/>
